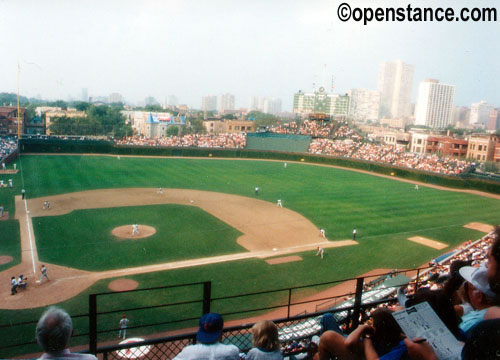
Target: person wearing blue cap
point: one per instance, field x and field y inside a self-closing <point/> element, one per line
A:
<point x="208" y="342"/>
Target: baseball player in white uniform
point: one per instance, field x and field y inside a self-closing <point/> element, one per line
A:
<point x="135" y="229"/>
<point x="320" y="252"/>
<point x="43" y="270"/>
<point x="279" y="204"/>
<point x="123" y="327"/>
<point x="322" y="232"/>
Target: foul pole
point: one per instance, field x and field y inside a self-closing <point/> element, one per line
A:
<point x="18" y="107"/>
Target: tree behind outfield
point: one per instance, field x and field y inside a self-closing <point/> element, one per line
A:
<point x="100" y="120"/>
<point x="172" y="131"/>
<point x="263" y="119"/>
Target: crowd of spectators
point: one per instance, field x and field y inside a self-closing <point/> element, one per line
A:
<point x="311" y="128"/>
<point x="7" y="145"/>
<point x="388" y="154"/>
<point x="334" y="138"/>
<point x="319" y="129"/>
<point x="463" y="290"/>
<point x="223" y="141"/>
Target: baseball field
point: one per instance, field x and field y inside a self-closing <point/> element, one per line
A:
<point x="208" y="224"/>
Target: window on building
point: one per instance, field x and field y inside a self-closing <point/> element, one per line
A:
<point x="480" y="147"/>
<point x="236" y="128"/>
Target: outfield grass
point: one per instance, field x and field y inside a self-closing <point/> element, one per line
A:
<point x="83" y="239"/>
<point x="385" y="213"/>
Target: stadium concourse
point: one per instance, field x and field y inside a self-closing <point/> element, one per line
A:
<point x="334" y="139"/>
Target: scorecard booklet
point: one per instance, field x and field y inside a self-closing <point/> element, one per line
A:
<point x="420" y="321"/>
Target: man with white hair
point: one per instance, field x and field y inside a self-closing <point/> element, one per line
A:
<point x="479" y="295"/>
<point x="53" y="332"/>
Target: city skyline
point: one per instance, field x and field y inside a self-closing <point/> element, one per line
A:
<point x="264" y="49"/>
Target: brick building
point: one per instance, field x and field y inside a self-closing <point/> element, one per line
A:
<point x="8" y="120"/>
<point x="482" y="147"/>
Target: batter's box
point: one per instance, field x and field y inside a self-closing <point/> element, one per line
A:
<point x="428" y="242"/>
<point x="284" y="259"/>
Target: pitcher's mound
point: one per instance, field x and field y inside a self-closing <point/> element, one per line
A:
<point x="123" y="285"/>
<point x="5" y="259"/>
<point x="125" y="232"/>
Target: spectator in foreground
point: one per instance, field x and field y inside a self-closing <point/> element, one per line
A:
<point x="381" y="340"/>
<point x="208" y="346"/>
<point x="265" y="341"/>
<point x="493" y="263"/>
<point x="53" y="332"/>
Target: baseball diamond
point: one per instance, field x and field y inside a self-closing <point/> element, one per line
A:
<point x="211" y="226"/>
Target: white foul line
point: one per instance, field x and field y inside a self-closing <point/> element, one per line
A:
<point x="29" y="234"/>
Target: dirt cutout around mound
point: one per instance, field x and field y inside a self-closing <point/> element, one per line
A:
<point x="428" y="242"/>
<point x="5" y="259"/>
<point x="480" y="227"/>
<point x="126" y="232"/>
<point x="123" y="285"/>
<point x="268" y="231"/>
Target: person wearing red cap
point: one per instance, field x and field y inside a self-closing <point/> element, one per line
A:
<point x="208" y="342"/>
<point x="123" y="327"/>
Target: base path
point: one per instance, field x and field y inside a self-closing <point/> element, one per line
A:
<point x="267" y="231"/>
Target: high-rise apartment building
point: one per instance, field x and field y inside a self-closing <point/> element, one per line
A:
<point x="395" y="81"/>
<point x="253" y="103"/>
<point x="272" y="106"/>
<point x="320" y="102"/>
<point x="115" y="98"/>
<point x="209" y="103"/>
<point x="480" y="114"/>
<point x="150" y="101"/>
<point x="364" y="104"/>
<point x="85" y="95"/>
<point x="435" y="104"/>
<point x="460" y="116"/>
<point x="265" y="104"/>
<point x="171" y="100"/>
<point x="226" y="102"/>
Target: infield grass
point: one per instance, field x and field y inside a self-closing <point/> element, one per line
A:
<point x="83" y="239"/>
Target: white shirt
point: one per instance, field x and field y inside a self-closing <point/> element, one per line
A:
<point x="66" y="354"/>
<point x="258" y="354"/>
<point x="215" y="351"/>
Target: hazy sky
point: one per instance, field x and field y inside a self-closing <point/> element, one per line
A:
<point x="247" y="48"/>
